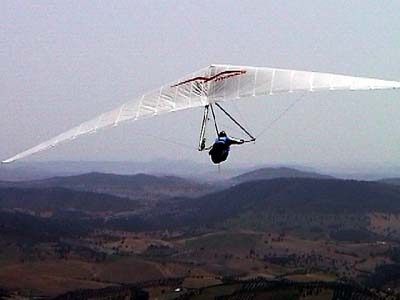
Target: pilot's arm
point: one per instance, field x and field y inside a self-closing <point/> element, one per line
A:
<point x="235" y="141"/>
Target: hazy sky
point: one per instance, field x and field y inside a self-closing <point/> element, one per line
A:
<point x="63" y="62"/>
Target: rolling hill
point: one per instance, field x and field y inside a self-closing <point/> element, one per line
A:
<point x="392" y="181"/>
<point x="55" y="200"/>
<point x="139" y="186"/>
<point x="267" y="226"/>
<point x="23" y="227"/>
<point x="304" y="194"/>
<point x="273" y="173"/>
<point x="301" y="196"/>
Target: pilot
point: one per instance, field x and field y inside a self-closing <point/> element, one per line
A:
<point x="220" y="149"/>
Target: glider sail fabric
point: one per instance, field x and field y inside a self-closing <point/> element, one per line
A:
<point x="167" y="98"/>
<point x="212" y="84"/>
<point x="250" y="81"/>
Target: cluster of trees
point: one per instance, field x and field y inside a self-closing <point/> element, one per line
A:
<point x="250" y="289"/>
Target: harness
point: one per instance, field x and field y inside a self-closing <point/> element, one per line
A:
<point x="221" y="140"/>
<point x="220" y="150"/>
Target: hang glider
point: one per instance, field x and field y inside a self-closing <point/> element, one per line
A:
<point x="216" y="83"/>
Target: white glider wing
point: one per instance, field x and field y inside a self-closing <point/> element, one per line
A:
<point x="213" y="84"/>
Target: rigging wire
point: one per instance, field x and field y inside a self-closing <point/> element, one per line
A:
<point x="167" y="141"/>
<point x="215" y="120"/>
<point x="262" y="132"/>
<point x="244" y="121"/>
<point x="280" y="116"/>
<point x="252" y="138"/>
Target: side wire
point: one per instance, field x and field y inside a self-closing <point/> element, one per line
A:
<point x="166" y="141"/>
<point x="280" y="116"/>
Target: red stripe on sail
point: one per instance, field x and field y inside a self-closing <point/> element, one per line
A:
<point x="216" y="77"/>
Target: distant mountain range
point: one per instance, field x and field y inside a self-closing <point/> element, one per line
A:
<point x="22" y="171"/>
<point x="25" y="170"/>
<point x="170" y="201"/>
<point x="297" y="220"/>
<point x="150" y="187"/>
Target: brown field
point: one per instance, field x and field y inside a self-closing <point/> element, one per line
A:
<point x="385" y="224"/>
<point x="48" y="277"/>
<point x="201" y="260"/>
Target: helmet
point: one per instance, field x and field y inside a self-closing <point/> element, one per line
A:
<point x="222" y="134"/>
